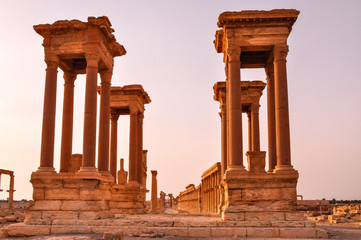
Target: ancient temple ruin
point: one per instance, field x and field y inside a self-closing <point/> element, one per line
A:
<point x="87" y="198"/>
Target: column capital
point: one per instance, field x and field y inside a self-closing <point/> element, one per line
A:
<point x="52" y="61"/>
<point x="92" y="59"/>
<point x="114" y="116"/>
<point x="140" y="115"/>
<point x="154" y="172"/>
<point x="69" y="78"/>
<point x="106" y="75"/>
<point x="255" y="108"/>
<point x="133" y="110"/>
<point x="233" y="53"/>
<point x="280" y="52"/>
<point x="269" y="70"/>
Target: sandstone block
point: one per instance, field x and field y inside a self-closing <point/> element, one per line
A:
<point x="260" y="194"/>
<point x="298" y="232"/>
<point x="113" y="235"/>
<point x="46" y="182"/>
<point x="32" y="214"/>
<point x="46" y="205"/>
<point x="59" y="215"/>
<point x="10" y="218"/>
<point x="61" y="193"/>
<point x="38" y="193"/>
<point x="94" y="194"/>
<point x="295" y="216"/>
<point x="91" y="215"/>
<point x="310" y="224"/>
<point x="90" y="183"/>
<point x="263" y="216"/>
<point x="38" y="221"/>
<point x="84" y="205"/>
<point x="298" y="224"/>
<point x="62" y="229"/>
<point x="21" y="229"/>
<point x="2" y="220"/>
<point x="262" y="232"/>
<point x="228" y="232"/>
<point x="2" y="213"/>
<point x="265" y="223"/>
<point x="72" y="183"/>
<point x="289" y="193"/>
<point x="199" y="232"/>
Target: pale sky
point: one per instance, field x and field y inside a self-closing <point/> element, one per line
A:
<point x="170" y="52"/>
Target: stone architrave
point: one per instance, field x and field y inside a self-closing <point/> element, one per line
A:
<point x="11" y="186"/>
<point x="257" y="39"/>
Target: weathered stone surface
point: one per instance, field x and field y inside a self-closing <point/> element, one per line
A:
<point x="21" y="229"/>
<point x="261" y="194"/>
<point x="60" y="215"/>
<point x="199" y="232"/>
<point x="61" y="193"/>
<point x="295" y="216"/>
<point x="2" y="213"/>
<point x="298" y="224"/>
<point x="94" y="194"/>
<point x="84" y="205"/>
<point x="255" y="216"/>
<point x="262" y="232"/>
<point x="46" y="205"/>
<point x="92" y="214"/>
<point x="38" y="193"/>
<point x="228" y="232"/>
<point x="321" y="233"/>
<point x="10" y="218"/>
<point x="297" y="232"/>
<point x="61" y="229"/>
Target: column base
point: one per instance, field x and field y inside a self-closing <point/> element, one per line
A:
<point x="87" y="169"/>
<point x="234" y="171"/>
<point x="284" y="169"/>
<point x="46" y="170"/>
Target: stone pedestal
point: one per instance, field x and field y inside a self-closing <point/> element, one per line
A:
<point x="262" y="195"/>
<point x="68" y="196"/>
<point x="127" y="198"/>
<point x="256" y="161"/>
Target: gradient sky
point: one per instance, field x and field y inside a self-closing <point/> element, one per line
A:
<point x="170" y="52"/>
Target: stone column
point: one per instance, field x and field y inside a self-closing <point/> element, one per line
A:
<point x="133" y="176"/>
<point x="67" y="126"/>
<point x="223" y="114"/>
<point x="255" y="127"/>
<point x="170" y="200"/>
<point x="104" y="115"/>
<point x="272" y="155"/>
<point x="90" y="113"/>
<point x="154" y="196"/>
<point x="249" y="116"/>
<point x="234" y="111"/>
<point x="11" y="192"/>
<point x="114" y="144"/>
<point x="140" y="148"/>
<point x="48" y="129"/>
<point x="281" y="106"/>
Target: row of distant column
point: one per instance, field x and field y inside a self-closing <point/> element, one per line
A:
<point x="89" y="136"/>
<point x="278" y="114"/>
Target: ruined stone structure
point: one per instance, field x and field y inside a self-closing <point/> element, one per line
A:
<point x="11" y="186"/>
<point x="190" y="200"/>
<point x="211" y="180"/>
<point x="128" y="196"/>
<point x="257" y="39"/>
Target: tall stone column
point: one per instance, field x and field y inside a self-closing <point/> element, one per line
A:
<point x="255" y="127"/>
<point x="48" y="129"/>
<point x="140" y="148"/>
<point x="67" y="126"/>
<point x="11" y="192"/>
<point x="114" y="144"/>
<point x="281" y="106"/>
<point x="223" y="114"/>
<point x="104" y="115"/>
<point x="234" y="111"/>
<point x="272" y="154"/>
<point x="249" y="116"/>
<point x="154" y="196"/>
<point x="90" y="115"/>
<point x="133" y="176"/>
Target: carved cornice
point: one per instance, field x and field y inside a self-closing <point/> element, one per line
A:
<point x="62" y="27"/>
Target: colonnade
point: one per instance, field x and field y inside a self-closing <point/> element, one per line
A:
<point x="211" y="180"/>
<point x="123" y="103"/>
<point x="78" y="56"/>
<point x="11" y="186"/>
